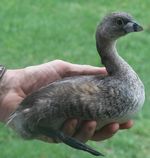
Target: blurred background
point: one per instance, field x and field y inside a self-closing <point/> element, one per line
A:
<point x="34" y="31"/>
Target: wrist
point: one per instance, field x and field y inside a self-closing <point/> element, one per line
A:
<point x="9" y="87"/>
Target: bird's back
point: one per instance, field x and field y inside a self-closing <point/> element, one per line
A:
<point x="105" y="98"/>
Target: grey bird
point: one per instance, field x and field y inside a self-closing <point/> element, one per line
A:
<point x="115" y="97"/>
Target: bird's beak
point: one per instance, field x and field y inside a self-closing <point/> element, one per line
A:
<point x="132" y="27"/>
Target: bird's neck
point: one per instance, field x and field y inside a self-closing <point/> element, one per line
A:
<point x="110" y="57"/>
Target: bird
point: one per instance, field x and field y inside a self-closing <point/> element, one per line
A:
<point x="115" y="97"/>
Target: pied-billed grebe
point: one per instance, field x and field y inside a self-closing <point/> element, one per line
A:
<point x="112" y="98"/>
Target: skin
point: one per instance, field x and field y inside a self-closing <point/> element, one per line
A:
<point x="17" y="84"/>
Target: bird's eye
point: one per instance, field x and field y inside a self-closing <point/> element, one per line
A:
<point x="119" y="22"/>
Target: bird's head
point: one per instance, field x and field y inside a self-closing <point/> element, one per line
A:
<point x="116" y="25"/>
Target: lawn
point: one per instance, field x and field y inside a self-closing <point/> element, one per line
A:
<point x="35" y="31"/>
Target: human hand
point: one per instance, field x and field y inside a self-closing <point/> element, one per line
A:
<point x="17" y="84"/>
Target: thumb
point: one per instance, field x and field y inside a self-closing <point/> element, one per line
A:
<point x="75" y="69"/>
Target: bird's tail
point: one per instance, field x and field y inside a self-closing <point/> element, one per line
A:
<point x="72" y="142"/>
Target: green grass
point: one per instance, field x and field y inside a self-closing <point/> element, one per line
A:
<point x="33" y="32"/>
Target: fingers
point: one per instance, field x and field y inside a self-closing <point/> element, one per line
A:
<point x="86" y="131"/>
<point x="109" y="130"/>
<point x="127" y="125"/>
<point x="106" y="132"/>
<point x="69" y="127"/>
